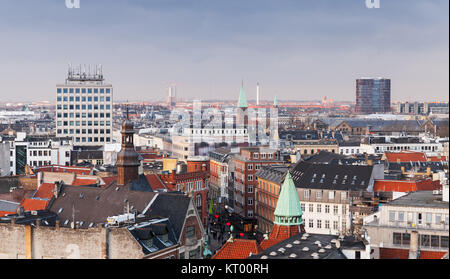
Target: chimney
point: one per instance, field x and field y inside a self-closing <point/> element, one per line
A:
<point x="55" y="190"/>
<point x="57" y="224"/>
<point x="428" y="171"/>
<point x="413" y="245"/>
<point x="403" y="169"/>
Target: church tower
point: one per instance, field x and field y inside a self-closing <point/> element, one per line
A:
<point x="127" y="159"/>
<point x="288" y="213"/>
<point x="242" y="114"/>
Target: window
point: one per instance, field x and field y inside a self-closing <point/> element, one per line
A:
<point x="250" y="213"/>
<point x="438" y="218"/>
<point x="335" y="225"/>
<point x="406" y="238"/>
<point x="250" y="167"/>
<point x="250" y="177"/>
<point x="306" y="194"/>
<point x="311" y="223"/>
<point x="311" y="208"/>
<point x="327" y="208"/>
<point x="319" y="195"/>
<point x="190" y="231"/>
<point x="428" y="218"/>
<point x="397" y="238"/>
<point x="327" y="224"/>
<point x="401" y="216"/>
<point x="343" y="195"/>
<point x="444" y="242"/>
<point x="250" y="201"/>
<point x="435" y="241"/>
<point x="425" y="240"/>
<point x="303" y="207"/>
<point x="319" y="208"/>
<point x="335" y="209"/>
<point x="331" y="195"/>
<point x="391" y="216"/>
<point x="319" y="224"/>
<point x="250" y="189"/>
<point x="419" y="218"/>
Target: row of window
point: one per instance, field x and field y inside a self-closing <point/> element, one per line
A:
<point x="318" y="224"/>
<point x="83" y="98"/>
<point x="327" y="208"/>
<point x="83" y="123"/>
<point x="83" y="90"/>
<point x="83" y="107"/>
<point x="265" y="155"/>
<point x="84" y="115"/>
<point x="92" y="139"/>
<point x="420" y="218"/>
<point x="319" y="194"/>
<point x="40" y="153"/>
<point x="84" y="131"/>
<point x="425" y="241"/>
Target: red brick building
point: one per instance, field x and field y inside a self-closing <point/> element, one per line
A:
<point x="247" y="164"/>
<point x="195" y="184"/>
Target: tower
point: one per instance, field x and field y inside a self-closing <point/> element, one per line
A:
<point x="127" y="159"/>
<point x="257" y="94"/>
<point x="242" y="115"/>
<point x="288" y="213"/>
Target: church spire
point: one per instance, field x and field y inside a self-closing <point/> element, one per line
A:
<point x="288" y="211"/>
<point x="242" y="103"/>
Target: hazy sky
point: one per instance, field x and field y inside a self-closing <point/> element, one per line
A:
<point x="295" y="49"/>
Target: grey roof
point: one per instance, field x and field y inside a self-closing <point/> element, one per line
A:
<point x="295" y="246"/>
<point x="331" y="176"/>
<point x="324" y="157"/>
<point x="420" y="199"/>
<point x="6" y="183"/>
<point x="8" y="206"/>
<point x="273" y="173"/>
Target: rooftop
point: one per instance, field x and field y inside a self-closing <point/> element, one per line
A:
<point x="420" y="199"/>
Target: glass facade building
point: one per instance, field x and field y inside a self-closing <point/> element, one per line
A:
<point x="373" y="95"/>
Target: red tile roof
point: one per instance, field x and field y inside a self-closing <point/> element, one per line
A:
<point x="3" y="213"/>
<point x="155" y="182"/>
<point x="405" y="156"/>
<point x="381" y="185"/>
<point x="34" y="204"/>
<point x="238" y="249"/>
<point x="108" y="181"/>
<point x="45" y="191"/>
<point x="79" y="181"/>
<point x="266" y="243"/>
<point x="438" y="158"/>
<point x="392" y="253"/>
<point x="71" y="169"/>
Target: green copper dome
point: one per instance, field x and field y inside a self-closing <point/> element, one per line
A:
<point x="242" y="103"/>
<point x="288" y="211"/>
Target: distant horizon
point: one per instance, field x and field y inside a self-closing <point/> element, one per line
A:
<point x="295" y="49"/>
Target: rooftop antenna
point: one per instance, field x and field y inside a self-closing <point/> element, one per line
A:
<point x="127" y="110"/>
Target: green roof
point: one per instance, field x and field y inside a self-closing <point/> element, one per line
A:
<point x="242" y="103"/>
<point x="288" y="211"/>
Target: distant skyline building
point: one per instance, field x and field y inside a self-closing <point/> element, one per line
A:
<point x="373" y="95"/>
<point x="84" y="106"/>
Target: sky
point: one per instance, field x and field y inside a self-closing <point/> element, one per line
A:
<point x="295" y="49"/>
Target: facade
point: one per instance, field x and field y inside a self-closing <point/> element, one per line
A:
<point x="325" y="191"/>
<point x="246" y="165"/>
<point x="413" y="226"/>
<point x="36" y="151"/>
<point x="373" y="95"/>
<point x="269" y="179"/>
<point x="311" y="147"/>
<point x="219" y="163"/>
<point x="84" y="106"/>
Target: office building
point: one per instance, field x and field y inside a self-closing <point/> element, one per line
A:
<point x="373" y="95"/>
<point x="84" y="107"/>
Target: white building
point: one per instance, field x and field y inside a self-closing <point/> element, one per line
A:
<point x="38" y="151"/>
<point x="84" y="106"/>
<point x="413" y="226"/>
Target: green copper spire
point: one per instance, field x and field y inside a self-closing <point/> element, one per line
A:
<point x="242" y="103"/>
<point x="275" y="102"/>
<point x="288" y="211"/>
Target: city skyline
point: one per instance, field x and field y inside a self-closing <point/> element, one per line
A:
<point x="294" y="50"/>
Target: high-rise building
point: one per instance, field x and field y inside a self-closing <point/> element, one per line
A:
<point x="84" y="106"/>
<point x="373" y="95"/>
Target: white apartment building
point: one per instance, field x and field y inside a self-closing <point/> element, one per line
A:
<point x="84" y="106"/>
<point x="38" y="151"/>
<point x="423" y="213"/>
<point x="324" y="192"/>
<point x="428" y="147"/>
